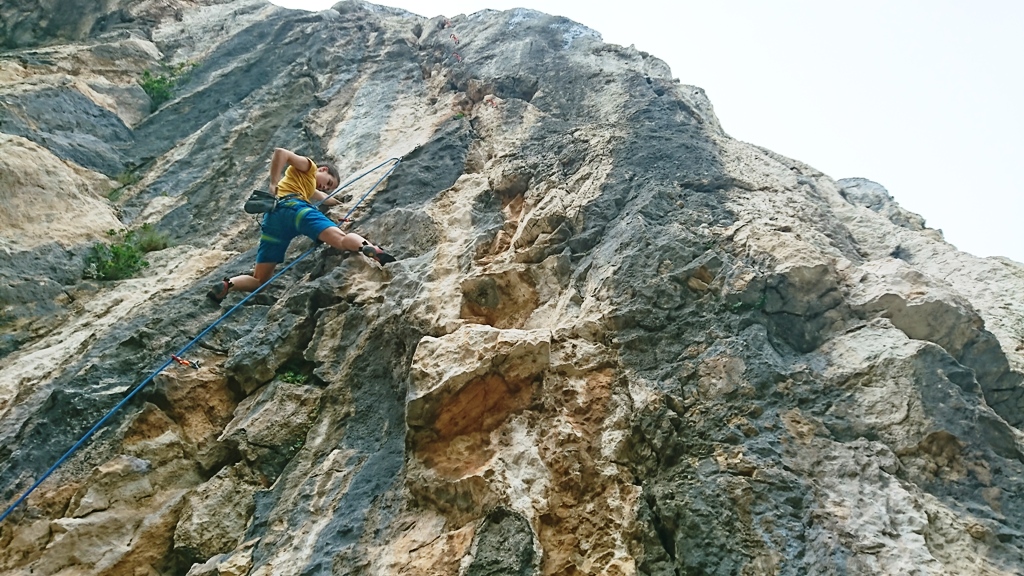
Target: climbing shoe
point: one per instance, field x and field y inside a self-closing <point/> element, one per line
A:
<point x="219" y="290"/>
<point x="376" y="254"/>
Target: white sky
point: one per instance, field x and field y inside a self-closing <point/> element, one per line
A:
<point x="923" y="97"/>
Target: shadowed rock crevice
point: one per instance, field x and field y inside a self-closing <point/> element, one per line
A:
<point x="260" y="354"/>
<point x="504" y="545"/>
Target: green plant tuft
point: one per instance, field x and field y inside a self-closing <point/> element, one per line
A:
<point x="294" y="371"/>
<point x="124" y="179"/>
<point x="160" y="87"/>
<point x="127" y="178"/>
<point x="123" y="258"/>
<point x="293" y="377"/>
<point x="113" y="261"/>
<point x="759" y="305"/>
<point x="149" y="239"/>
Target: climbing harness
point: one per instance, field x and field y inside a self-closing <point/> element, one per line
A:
<point x="259" y="216"/>
<point x="184" y="362"/>
<point x="179" y="356"/>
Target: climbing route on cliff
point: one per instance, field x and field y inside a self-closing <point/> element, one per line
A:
<point x="624" y="342"/>
<point x="179" y="356"/>
<point x="455" y="40"/>
<point x="489" y="99"/>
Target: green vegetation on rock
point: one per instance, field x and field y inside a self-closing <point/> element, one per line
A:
<point x="123" y="257"/>
<point x="292" y="376"/>
<point x="160" y="86"/>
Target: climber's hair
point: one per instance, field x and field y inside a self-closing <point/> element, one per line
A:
<point x="333" y="172"/>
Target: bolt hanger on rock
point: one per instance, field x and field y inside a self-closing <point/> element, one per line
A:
<point x="184" y="362"/>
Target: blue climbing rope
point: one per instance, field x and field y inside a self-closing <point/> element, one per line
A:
<point x="181" y="352"/>
<point x="355" y="179"/>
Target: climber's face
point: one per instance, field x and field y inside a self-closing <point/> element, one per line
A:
<point x="324" y="181"/>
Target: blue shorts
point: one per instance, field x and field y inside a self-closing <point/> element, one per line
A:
<point x="288" y="220"/>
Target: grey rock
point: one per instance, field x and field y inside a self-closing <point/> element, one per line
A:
<point x="616" y="340"/>
<point x="70" y="125"/>
<point x="216" y="514"/>
<point x="504" y="545"/>
<point x="874" y="197"/>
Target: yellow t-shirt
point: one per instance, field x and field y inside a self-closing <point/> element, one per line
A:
<point x="302" y="184"/>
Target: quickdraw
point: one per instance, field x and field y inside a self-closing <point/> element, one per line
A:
<point x="455" y="38"/>
<point x="457" y="57"/>
<point x="184" y="362"/>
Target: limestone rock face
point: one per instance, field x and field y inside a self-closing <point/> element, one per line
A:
<point x="28" y="23"/>
<point x="871" y="195"/>
<point x="616" y="341"/>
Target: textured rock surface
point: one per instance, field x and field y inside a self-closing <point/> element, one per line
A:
<point x="617" y="341"/>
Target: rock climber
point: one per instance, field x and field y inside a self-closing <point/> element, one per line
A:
<point x="302" y="184"/>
